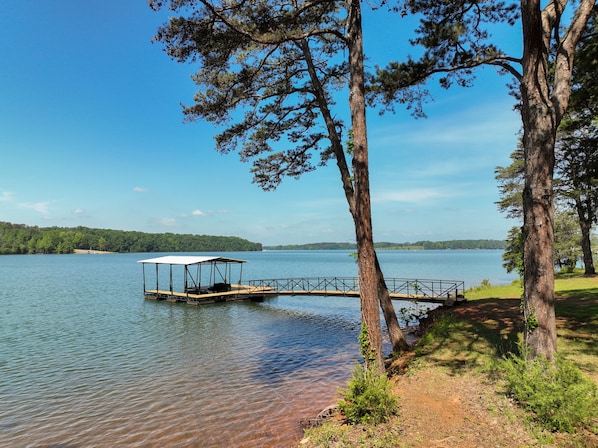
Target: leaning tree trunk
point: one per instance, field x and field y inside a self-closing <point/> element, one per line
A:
<point x="538" y="208"/>
<point x="366" y="259"/>
<point x="397" y="338"/>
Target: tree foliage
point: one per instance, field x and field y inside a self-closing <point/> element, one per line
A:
<point x="455" y="38"/>
<point x="510" y="185"/>
<point x="567" y="247"/>
<point x="22" y="239"/>
<point x="268" y="73"/>
<point x="513" y="255"/>
<point x="577" y="142"/>
<point x="256" y="63"/>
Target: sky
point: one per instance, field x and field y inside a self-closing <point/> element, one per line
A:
<point x="92" y="134"/>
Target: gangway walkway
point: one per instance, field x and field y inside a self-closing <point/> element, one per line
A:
<point x="423" y="290"/>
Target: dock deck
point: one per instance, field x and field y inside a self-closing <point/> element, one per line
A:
<point x="236" y="293"/>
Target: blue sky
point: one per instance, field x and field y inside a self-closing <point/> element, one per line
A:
<point x="92" y="134"/>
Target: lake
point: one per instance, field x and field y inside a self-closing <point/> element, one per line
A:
<point x="86" y="361"/>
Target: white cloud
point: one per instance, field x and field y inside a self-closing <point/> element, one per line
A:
<point x="40" y="207"/>
<point x="78" y="211"/>
<point x="140" y="190"/>
<point x="6" y="196"/>
<point x="168" y="222"/>
<point x="198" y="213"/>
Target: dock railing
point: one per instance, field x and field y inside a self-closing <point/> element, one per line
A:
<point x="420" y="289"/>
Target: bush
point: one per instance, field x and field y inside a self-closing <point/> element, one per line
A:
<point x="558" y="394"/>
<point x="368" y="398"/>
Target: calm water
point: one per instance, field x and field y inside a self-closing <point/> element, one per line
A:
<point x="86" y="361"/>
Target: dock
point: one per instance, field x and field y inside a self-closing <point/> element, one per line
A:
<point x="207" y="279"/>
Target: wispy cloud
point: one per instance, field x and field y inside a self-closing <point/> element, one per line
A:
<point x="6" y="196"/>
<point x="140" y="190"/>
<point x="416" y="195"/>
<point x="168" y="222"/>
<point x="40" y="207"/>
<point x="481" y="125"/>
<point x="79" y="211"/>
<point x="206" y="213"/>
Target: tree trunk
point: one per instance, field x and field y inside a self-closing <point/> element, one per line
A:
<point x="366" y="260"/>
<point x="397" y="338"/>
<point x="586" y="240"/>
<point x="539" y="315"/>
<point x="539" y="124"/>
<point x="543" y="107"/>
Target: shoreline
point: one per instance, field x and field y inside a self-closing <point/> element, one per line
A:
<point x="92" y="252"/>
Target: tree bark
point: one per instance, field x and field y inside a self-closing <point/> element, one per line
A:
<point x="397" y="338"/>
<point x="539" y="124"/>
<point x="366" y="260"/>
<point x="538" y="235"/>
<point x="545" y="97"/>
<point x="586" y="242"/>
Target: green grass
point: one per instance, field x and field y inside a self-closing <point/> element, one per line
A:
<point x="576" y="311"/>
<point x="486" y="290"/>
<point x="572" y="285"/>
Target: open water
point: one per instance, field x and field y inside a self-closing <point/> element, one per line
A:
<point x="85" y="361"/>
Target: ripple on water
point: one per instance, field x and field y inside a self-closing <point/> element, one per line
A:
<point x="106" y="368"/>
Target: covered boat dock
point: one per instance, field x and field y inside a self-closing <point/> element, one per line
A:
<point x="200" y="279"/>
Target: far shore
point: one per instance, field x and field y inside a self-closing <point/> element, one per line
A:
<point x="91" y="251"/>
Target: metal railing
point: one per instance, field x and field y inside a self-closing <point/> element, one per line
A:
<point x="406" y="288"/>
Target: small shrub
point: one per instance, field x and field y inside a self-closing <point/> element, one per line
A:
<point x="558" y="394"/>
<point x="368" y="398"/>
<point x="481" y="287"/>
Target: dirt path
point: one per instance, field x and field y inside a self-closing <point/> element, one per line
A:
<point x="441" y="408"/>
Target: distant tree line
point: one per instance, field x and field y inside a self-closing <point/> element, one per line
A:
<point x="418" y="245"/>
<point x="23" y="239"/>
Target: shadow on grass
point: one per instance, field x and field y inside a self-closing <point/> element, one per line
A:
<point x="473" y="334"/>
<point x="477" y="333"/>
<point x="577" y="322"/>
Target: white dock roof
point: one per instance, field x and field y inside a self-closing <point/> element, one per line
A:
<point x="190" y="259"/>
